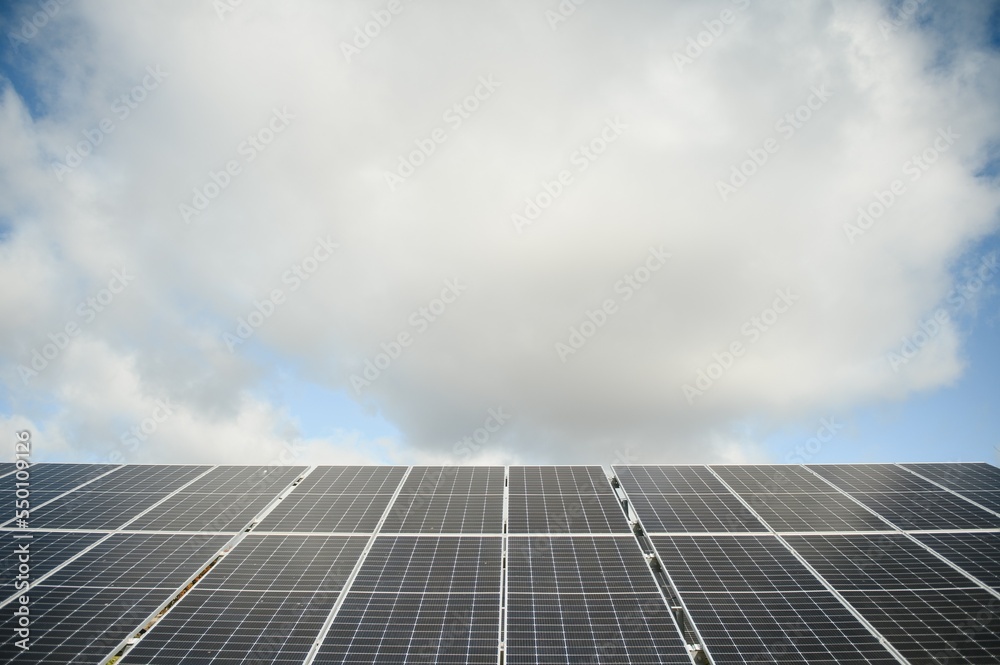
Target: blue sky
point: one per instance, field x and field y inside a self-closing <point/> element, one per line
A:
<point x="572" y="224"/>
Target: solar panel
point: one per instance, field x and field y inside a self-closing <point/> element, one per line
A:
<point x="813" y="512"/>
<point x="928" y="510"/>
<point x="352" y="480"/>
<point x="59" y="477"/>
<point x="46" y="550"/>
<point x="454" y="480"/>
<point x="246" y="479"/>
<point x="87" y="608"/>
<point x="92" y="510"/>
<point x="147" y="478"/>
<point x="669" y="480"/>
<point x="424" y="564"/>
<point x="266" y="600"/>
<point x="976" y="553"/>
<point x="935" y="626"/>
<point x="694" y="513"/>
<point x="988" y="500"/>
<point x="872" y="478"/>
<point x="959" y="476"/>
<point x="326" y="513"/>
<point x="577" y="564"/>
<point x="881" y="562"/>
<point x="733" y="563"/>
<point x="557" y="480"/>
<point x="421" y="599"/>
<point x="786" y="628"/>
<point x="569" y="513"/>
<point x="772" y="479"/>
<point x="445" y="513"/>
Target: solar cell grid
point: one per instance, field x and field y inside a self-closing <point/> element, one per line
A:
<point x="943" y="626"/>
<point x="886" y="561"/>
<point x="558" y="480"/>
<point x="555" y="513"/>
<point x="928" y="510"/>
<point x="975" y="553"/>
<point x="246" y="479"/>
<point x="352" y="480"/>
<point x="442" y="480"/>
<point x="773" y="479"/>
<point x="813" y="512"/>
<point x="46" y="550"/>
<point x="445" y="513"/>
<point x="733" y="563"/>
<point x="79" y="625"/>
<point x="59" y="477"/>
<point x="431" y="564"/>
<point x="577" y="564"/>
<point x="694" y="513"/>
<point x="139" y="560"/>
<point x="794" y="628"/>
<point x="262" y="563"/>
<point x="146" y="478"/>
<point x="988" y="500"/>
<point x="198" y="511"/>
<point x="872" y="478"/>
<point x="591" y="628"/>
<point x="325" y="513"/>
<point x="961" y="476"/>
<point x="235" y="627"/>
<point x="405" y="628"/>
<point x="669" y="480"/>
<point x="92" y="510"/>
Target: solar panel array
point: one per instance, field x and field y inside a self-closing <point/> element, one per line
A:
<point x="867" y="563"/>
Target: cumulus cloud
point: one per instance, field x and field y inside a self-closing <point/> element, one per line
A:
<point x="573" y="218"/>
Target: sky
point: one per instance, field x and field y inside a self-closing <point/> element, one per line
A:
<point x="522" y="232"/>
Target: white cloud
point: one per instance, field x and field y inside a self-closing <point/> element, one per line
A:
<point x="654" y="185"/>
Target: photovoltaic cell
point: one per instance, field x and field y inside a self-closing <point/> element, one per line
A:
<point x="577" y="564"/>
<point x="694" y="513"/>
<point x="410" y="628"/>
<point x="872" y="478"/>
<point x="935" y="626"/>
<point x="46" y="551"/>
<point x="193" y="511"/>
<point x="413" y="564"/>
<point x="265" y="601"/>
<point x="881" y="562"/>
<point x="772" y="479"/>
<point x="269" y="480"/>
<point x="570" y="513"/>
<point x="988" y="500"/>
<point x="669" y="480"/>
<point x="928" y="510"/>
<point x="813" y="512"/>
<point x="147" y="478"/>
<point x="442" y="480"/>
<point x="324" y="513"/>
<point x="445" y="513"/>
<point x="558" y="480"/>
<point x="733" y="563"/>
<point x="976" y="553"/>
<point x="961" y="476"/>
<point x="60" y="477"/>
<point x="352" y="480"/>
<point x="92" y="510"/>
<point x="786" y="628"/>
